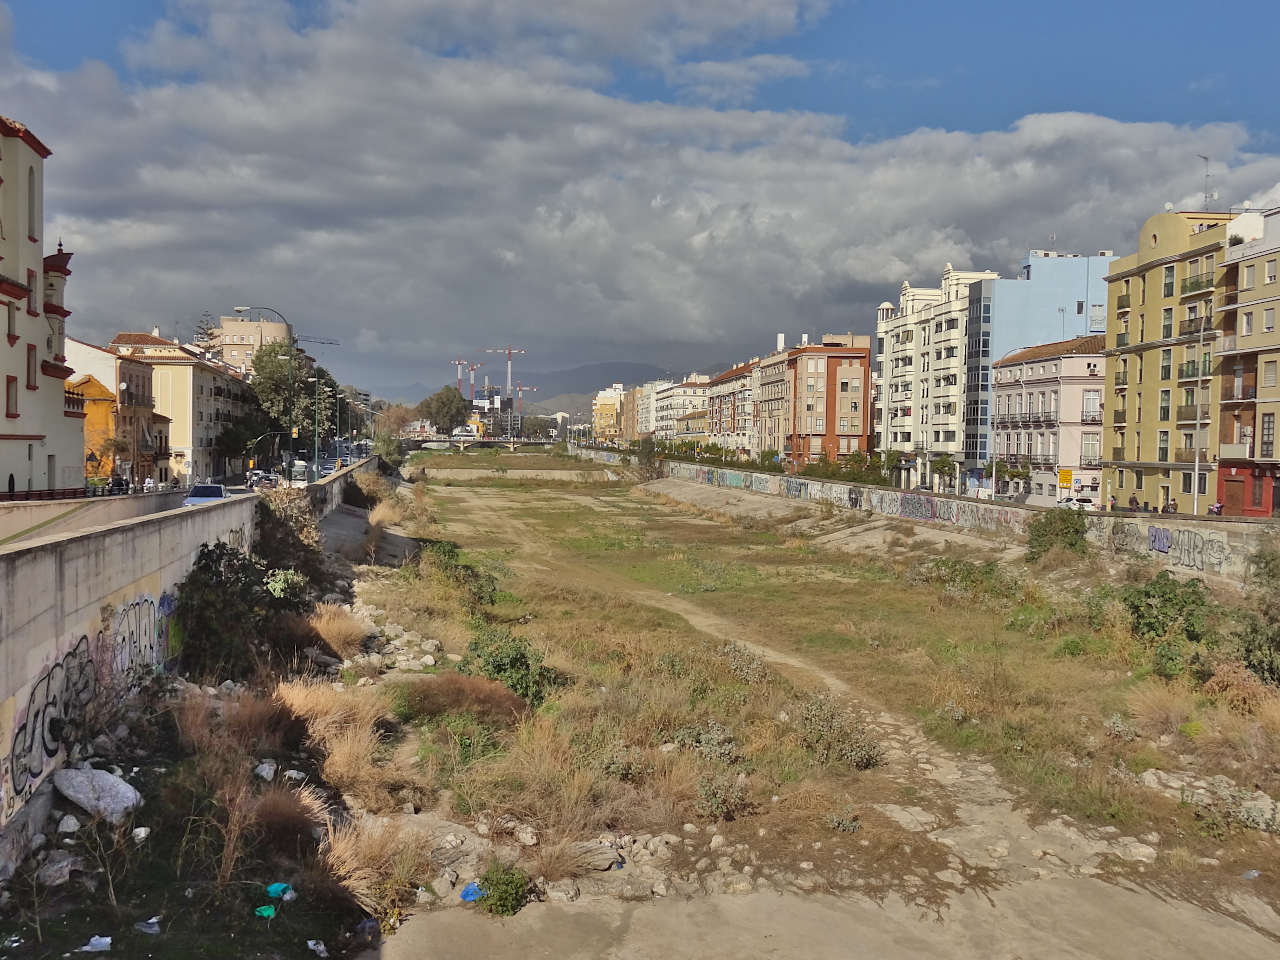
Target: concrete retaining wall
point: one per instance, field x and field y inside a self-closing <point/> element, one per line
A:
<point x="32" y="518"/>
<point x="326" y="494"/>
<point x="1220" y="546"/>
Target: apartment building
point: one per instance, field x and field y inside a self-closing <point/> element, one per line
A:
<point x="42" y="445"/>
<point x="935" y="352"/>
<point x="630" y="403"/>
<point x="676" y="399"/>
<point x="1246" y="301"/>
<point x="923" y="377"/>
<point x="729" y="409"/>
<point x="647" y="406"/>
<point x="1164" y="399"/>
<point x="773" y="400"/>
<point x="123" y="434"/>
<point x="606" y="413"/>
<point x="692" y="427"/>
<point x="1047" y="420"/>
<point x="199" y="395"/>
<point x="236" y="339"/>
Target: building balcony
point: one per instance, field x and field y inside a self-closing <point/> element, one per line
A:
<point x="1197" y="283"/>
<point x="1227" y="299"/>
<point x="1193" y="412"/>
<point x="1117" y="454"/>
<point x="1091" y="416"/>
<point x="1122" y="378"/>
<point x="1235" y="451"/>
<point x="1233" y="393"/>
<point x="1225" y="344"/>
<point x="1189" y="328"/>
<point x="1123" y="301"/>
<point x="1044" y="461"/>
<point x="1193" y="370"/>
<point x="1188" y="455"/>
<point x="1090" y="462"/>
<point x="72" y="401"/>
<point x="1122" y="338"/>
<point x="1120" y="416"/>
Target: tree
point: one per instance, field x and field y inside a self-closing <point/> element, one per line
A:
<point x="205" y="335"/>
<point x="279" y="378"/>
<point x="945" y="466"/>
<point x="538" y="427"/>
<point x="447" y="409"/>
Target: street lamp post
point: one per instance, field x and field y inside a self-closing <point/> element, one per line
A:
<point x="292" y="356"/>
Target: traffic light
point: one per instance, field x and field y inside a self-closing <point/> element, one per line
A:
<point x="250" y="463"/>
<point x="295" y="433"/>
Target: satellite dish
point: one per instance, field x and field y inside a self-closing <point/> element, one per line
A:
<point x="1167" y="206"/>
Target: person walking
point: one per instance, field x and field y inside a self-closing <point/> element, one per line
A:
<point x="1133" y="502"/>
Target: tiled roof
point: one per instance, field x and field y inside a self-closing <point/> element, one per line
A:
<point x="730" y="374"/>
<point x="142" y="340"/>
<point x="1094" y="343"/>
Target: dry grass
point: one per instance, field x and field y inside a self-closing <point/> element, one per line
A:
<point x="1235" y="686"/>
<point x="284" y="817"/>
<point x="342" y="632"/>
<point x="1268" y="715"/>
<point x="1159" y="707"/>
<point x="258" y="724"/>
<point x="430" y="696"/>
<point x="386" y="514"/>
<point x="379" y="862"/>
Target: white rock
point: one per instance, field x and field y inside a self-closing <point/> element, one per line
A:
<point x="294" y="775"/>
<point x="562" y="891"/>
<point x="428" y="661"/>
<point x="431" y="645"/>
<point x="453" y="657"/>
<point x="525" y="835"/>
<point x="689" y="828"/>
<point x="666" y="748"/>
<point x="140" y="834"/>
<point x="98" y="793"/>
<point x="1134" y="851"/>
<point x="266" y="770"/>
<point x="68" y="824"/>
<point x="57" y="868"/>
<point x="717" y="841"/>
<point x="806" y="864"/>
<point x="660" y="888"/>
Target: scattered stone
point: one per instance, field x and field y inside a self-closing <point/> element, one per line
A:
<point x="666" y="748"/>
<point x="332" y="598"/>
<point x="717" y="842"/>
<point x="68" y="824"/>
<point x="562" y="891"/>
<point x="441" y="886"/>
<point x="38" y="840"/>
<point x="58" y="867"/>
<point x="909" y="818"/>
<point x="1209" y="862"/>
<point x="525" y="835"/>
<point x="294" y="775"/>
<point x="140" y="834"/>
<point x="950" y="876"/>
<point x="408" y="809"/>
<point x="595" y="855"/>
<point x="103" y="745"/>
<point x="364" y="682"/>
<point x="427" y="661"/>
<point x="1134" y="851"/>
<point x="98" y="793"/>
<point x="432" y="645"/>
<point x="689" y="828"/>
<point x="703" y="865"/>
<point x="1152" y="838"/>
<point x="453" y="657"/>
<point x="806" y="864"/>
<point x="266" y="770"/>
<point x="660" y="888"/>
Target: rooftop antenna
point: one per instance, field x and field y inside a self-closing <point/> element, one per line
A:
<point x="1207" y="195"/>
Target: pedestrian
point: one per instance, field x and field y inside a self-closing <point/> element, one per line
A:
<point x="1216" y="509"/>
<point x="1111" y="505"/>
<point x="1173" y="505"/>
<point x="1133" y="501"/>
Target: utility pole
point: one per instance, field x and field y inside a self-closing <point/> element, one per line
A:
<point x="509" y="351"/>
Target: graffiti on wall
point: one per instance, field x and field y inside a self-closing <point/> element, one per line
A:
<point x="53" y="714"/>
<point x="1189" y="548"/>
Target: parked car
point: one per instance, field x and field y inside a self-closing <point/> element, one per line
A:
<point x="203" y="493"/>
<point x="1079" y="503"/>
<point x="268" y="481"/>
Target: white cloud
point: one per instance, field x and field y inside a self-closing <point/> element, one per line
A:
<point x="376" y="187"/>
<point x="733" y="82"/>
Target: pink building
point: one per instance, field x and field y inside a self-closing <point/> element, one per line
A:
<point x="1047" y="421"/>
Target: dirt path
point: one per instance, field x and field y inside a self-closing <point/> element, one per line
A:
<point x="1054" y="888"/>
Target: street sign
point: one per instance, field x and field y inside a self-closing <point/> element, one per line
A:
<point x="1064" y="479"/>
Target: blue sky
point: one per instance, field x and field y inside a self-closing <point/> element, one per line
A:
<point x="893" y="67"/>
<point x="670" y="181"/>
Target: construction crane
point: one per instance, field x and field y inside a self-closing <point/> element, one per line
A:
<point x="461" y="365"/>
<point x="521" y="389"/>
<point x="472" y="368"/>
<point x="509" y="351"/>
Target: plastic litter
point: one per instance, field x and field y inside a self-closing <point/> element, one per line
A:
<point x="96" y="945"/>
<point x="471" y="892"/>
<point x="267" y="912"/>
<point x="1251" y="874"/>
<point x="282" y="891"/>
<point x="151" y="926"/>
<point x="317" y="947"/>
<point x="368" y="931"/>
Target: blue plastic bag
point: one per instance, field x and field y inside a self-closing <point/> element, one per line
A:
<point x="471" y="892"/>
<point x="278" y="891"/>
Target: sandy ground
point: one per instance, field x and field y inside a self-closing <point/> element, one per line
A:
<point x="1053" y="888"/>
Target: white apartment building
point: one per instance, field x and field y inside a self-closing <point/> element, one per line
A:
<point x="42" y="443"/>
<point x="677" y="399"/>
<point x="771" y="394"/>
<point x="1047" y="420"/>
<point x="647" y="406"/>
<point x="921" y="384"/>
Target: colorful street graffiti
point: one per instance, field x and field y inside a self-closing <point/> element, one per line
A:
<point x="110" y="662"/>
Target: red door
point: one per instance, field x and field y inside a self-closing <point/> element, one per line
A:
<point x="1233" y="498"/>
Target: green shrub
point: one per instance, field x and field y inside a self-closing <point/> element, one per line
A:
<point x="495" y="652"/>
<point x="963" y="578"/>
<point x="628" y="764"/>
<point x="833" y="735"/>
<point x="290" y="588"/>
<point x="711" y="741"/>
<point x="1157" y="606"/>
<point x="1056" y="528"/>
<point x="1169" y="659"/>
<point x="723" y="796"/>
<point x="1070" y="647"/>
<point x="221" y="606"/>
<point x="506" y="890"/>
<point x="845" y="822"/>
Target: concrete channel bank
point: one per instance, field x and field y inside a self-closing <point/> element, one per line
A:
<point x="1219" y="546"/>
<point x="79" y="608"/>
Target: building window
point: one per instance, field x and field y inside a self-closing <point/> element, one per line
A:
<point x="1186" y="483"/>
<point x="1168" y="281"/>
<point x="1137" y="479"/>
<point x="11" y="397"/>
<point x="1270" y="271"/>
<point x="1166" y="364"/>
<point x="1162" y="448"/>
<point x="1269" y="373"/>
<point x="31" y="204"/>
<point x="32" y="366"/>
<point x="1246" y="323"/>
<point x="1120" y="478"/>
<point x="1166" y="322"/>
<point x="33" y="294"/>
<point x="844" y="386"/>
<point x="1268" y="320"/>
<point x="11" y="324"/>
<point x="1256" y="486"/>
<point x="1267" y="444"/>
<point x="1247" y="282"/>
<point x="1164" y="404"/>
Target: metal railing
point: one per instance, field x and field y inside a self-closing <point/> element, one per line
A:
<point x="1196" y="283"/>
<point x="1188" y="455"/>
<point x="1123" y="301"/>
<point x="1193" y="411"/>
<point x="1087" y="461"/>
<point x="1189" y="328"/>
<point x="1120" y="416"/>
<point x="1225" y="344"/>
<point x="1232" y="393"/>
<point x="1190" y="370"/>
<point x="1091" y="416"/>
<point x="1117" y="454"/>
<point x="1122" y="378"/>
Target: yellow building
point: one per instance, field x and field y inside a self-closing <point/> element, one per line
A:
<point x="1161" y="393"/>
<point x="607" y="411"/>
<point x="692" y="426"/>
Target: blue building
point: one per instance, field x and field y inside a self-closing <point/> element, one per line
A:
<point x="1056" y="296"/>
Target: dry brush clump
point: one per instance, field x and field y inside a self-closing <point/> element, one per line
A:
<point x="341" y="631"/>
<point x="1159" y="707"/>
<point x="380" y="862"/>
<point x="434" y="695"/>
